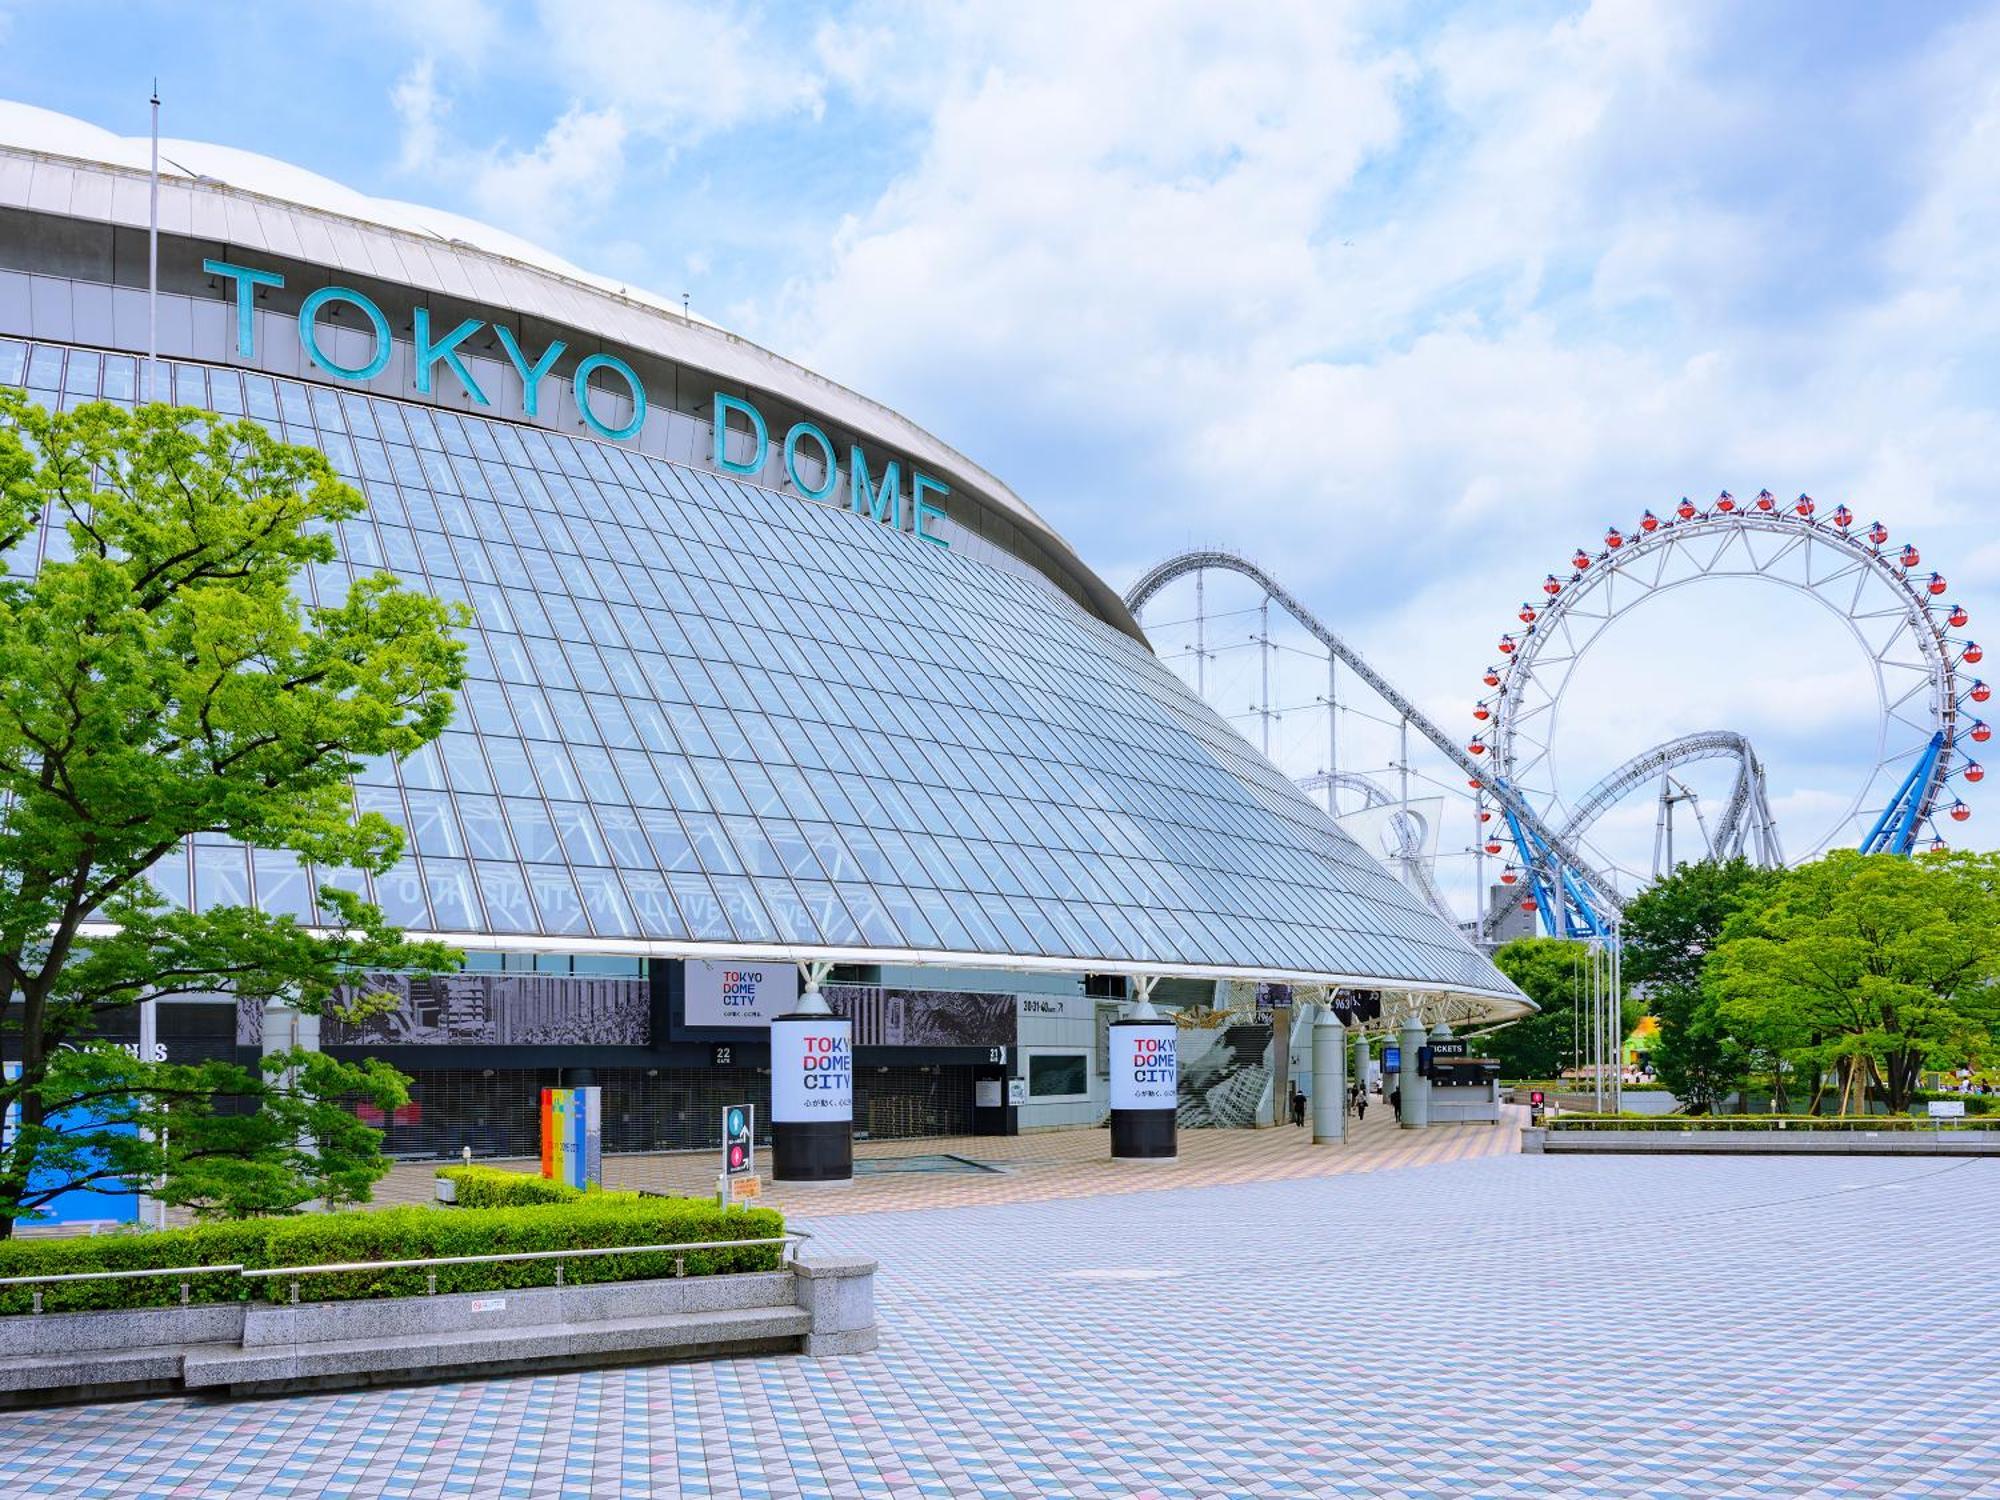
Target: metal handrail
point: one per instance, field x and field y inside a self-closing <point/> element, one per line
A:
<point x="116" y="1275"/>
<point x="466" y="1260"/>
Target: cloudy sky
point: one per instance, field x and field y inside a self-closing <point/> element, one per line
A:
<point x="1403" y="300"/>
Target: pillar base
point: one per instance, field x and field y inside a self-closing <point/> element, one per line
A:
<point x="1143" y="1135"/>
<point x="817" y="1154"/>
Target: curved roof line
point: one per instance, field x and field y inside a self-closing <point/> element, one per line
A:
<point x="482" y="265"/>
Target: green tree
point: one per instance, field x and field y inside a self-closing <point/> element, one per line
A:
<point x="1554" y="973"/>
<point x="1669" y="930"/>
<point x="1872" y="965"/>
<point x="160" y="678"/>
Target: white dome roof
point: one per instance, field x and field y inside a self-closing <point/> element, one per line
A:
<point x="31" y="128"/>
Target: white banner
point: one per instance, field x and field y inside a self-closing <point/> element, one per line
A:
<point x="730" y="994"/>
<point x="1145" y="1066"/>
<point x="812" y="1071"/>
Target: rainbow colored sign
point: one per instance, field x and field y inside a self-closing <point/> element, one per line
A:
<point x="573" y="1136"/>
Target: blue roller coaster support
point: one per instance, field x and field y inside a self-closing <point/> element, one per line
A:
<point x="1895" y="832"/>
<point x="1572" y="915"/>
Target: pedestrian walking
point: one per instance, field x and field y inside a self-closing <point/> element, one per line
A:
<point x="1298" y="1105"/>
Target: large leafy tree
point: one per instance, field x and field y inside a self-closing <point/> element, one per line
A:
<point x="1669" y="930"/>
<point x="1874" y="966"/>
<point x="160" y="678"/>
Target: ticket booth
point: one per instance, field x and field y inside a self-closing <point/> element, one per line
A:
<point x="1464" y="1090"/>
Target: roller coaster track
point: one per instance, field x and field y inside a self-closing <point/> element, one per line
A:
<point x="1555" y="863"/>
<point x="1747" y="826"/>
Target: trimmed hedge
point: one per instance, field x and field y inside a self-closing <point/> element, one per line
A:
<point x="604" y="1220"/>
<point x="493" y="1187"/>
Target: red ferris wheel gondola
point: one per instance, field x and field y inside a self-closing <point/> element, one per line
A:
<point x="1980" y="691"/>
<point x="1972" y="653"/>
<point x="1803" y="505"/>
<point x="1960" y="812"/>
<point x="1981" y="731"/>
<point x="1551" y="586"/>
<point x="1481" y="712"/>
<point x="1974" y="771"/>
<point x="1937" y="585"/>
<point x="1486" y="815"/>
<point x="1685" y="510"/>
<point x="1508" y="876"/>
<point x="1507" y="645"/>
<point x="1725" y="502"/>
<point x="1766" y="501"/>
<point x="1877" y="533"/>
<point x="1529" y="903"/>
<point x="1492" y="677"/>
<point x="1579" y="559"/>
<point x="1492" y="846"/>
<point x="1649" y="522"/>
<point x="1477" y="747"/>
<point x="1910" y="557"/>
<point x="1614" y="538"/>
<point x="1957" y="618"/>
<point x="1843" y="517"/>
<point x="1527" y="613"/>
<point x="1475" y="783"/>
<point x="1938" y="845"/>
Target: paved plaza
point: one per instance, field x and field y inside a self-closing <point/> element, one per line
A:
<point x="1502" y="1325"/>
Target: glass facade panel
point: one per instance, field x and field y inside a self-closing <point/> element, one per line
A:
<point x="703" y="710"/>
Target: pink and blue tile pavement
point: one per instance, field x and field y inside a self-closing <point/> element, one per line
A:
<point x="1502" y="1325"/>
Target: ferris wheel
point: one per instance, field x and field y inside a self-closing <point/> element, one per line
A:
<point x="1894" y="609"/>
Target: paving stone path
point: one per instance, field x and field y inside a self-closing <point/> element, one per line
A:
<point x="1506" y="1326"/>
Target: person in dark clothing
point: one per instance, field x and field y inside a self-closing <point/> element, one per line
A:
<point x="1360" y="1104"/>
<point x="1298" y="1106"/>
<point x="1396" y="1100"/>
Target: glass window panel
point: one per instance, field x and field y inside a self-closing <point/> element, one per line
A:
<point x="433" y="829"/>
<point x="745" y="912"/>
<point x="832" y="918"/>
<point x="700" y="909"/>
<point x="400" y="894"/>
<point x="533" y="829"/>
<point x="604" y="903"/>
<point x="505" y="895"/>
<point x="282" y="890"/>
<point x="556" y="899"/>
<point x="485" y="829"/>
<point x="624" y="837"/>
<point x="653" y="905"/>
<point x="453" y="902"/>
<point x="711" y="845"/>
<point x="671" y="845"/>
<point x="559" y="778"/>
<point x="582" y="843"/>
<point x="512" y="772"/>
<point x="788" y="912"/>
<point x="600" y="781"/>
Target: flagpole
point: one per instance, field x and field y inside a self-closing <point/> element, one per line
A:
<point x="153" y="264"/>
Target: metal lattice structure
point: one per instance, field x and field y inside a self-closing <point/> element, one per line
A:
<point x="1746" y="828"/>
<point x="1557" y="862"/>
<point x="1893" y="612"/>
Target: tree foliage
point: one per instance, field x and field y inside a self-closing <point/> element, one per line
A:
<point x="162" y="677"/>
<point x="1873" y="967"/>
<point x="1669" y="930"/>
<point x="1554" y="973"/>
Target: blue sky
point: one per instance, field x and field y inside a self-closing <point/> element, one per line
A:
<point x="1403" y="299"/>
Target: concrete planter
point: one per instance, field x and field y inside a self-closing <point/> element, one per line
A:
<point x="1761" y="1142"/>
<point x="819" y="1306"/>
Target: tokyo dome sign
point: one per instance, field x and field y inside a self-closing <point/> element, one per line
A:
<point x="878" y="500"/>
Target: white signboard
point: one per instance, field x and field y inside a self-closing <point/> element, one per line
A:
<point x="1947" y="1109"/>
<point x="812" y="1071"/>
<point x="739" y="994"/>
<point x="1145" y="1066"/>
<point x="987" y="1093"/>
<point x="1055" y="1007"/>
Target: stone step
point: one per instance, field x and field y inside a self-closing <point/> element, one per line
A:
<point x="97" y="1367"/>
<point x="427" y="1357"/>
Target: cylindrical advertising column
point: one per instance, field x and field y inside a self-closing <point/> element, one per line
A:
<point x="1145" y="1087"/>
<point x="812" y="1095"/>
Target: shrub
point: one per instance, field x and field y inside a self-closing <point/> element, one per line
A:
<point x="596" y="1222"/>
<point x="493" y="1187"/>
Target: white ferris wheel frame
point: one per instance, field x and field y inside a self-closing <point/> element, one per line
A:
<point x="1852" y="579"/>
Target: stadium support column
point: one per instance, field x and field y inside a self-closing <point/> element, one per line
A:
<point x="1360" y="1059"/>
<point x="1415" y="1113"/>
<point x="1145" y="1081"/>
<point x="1329" y="1101"/>
<point x="812" y="1090"/>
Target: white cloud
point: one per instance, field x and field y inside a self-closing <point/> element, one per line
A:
<point x="420" y="110"/>
<point x="575" y="167"/>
